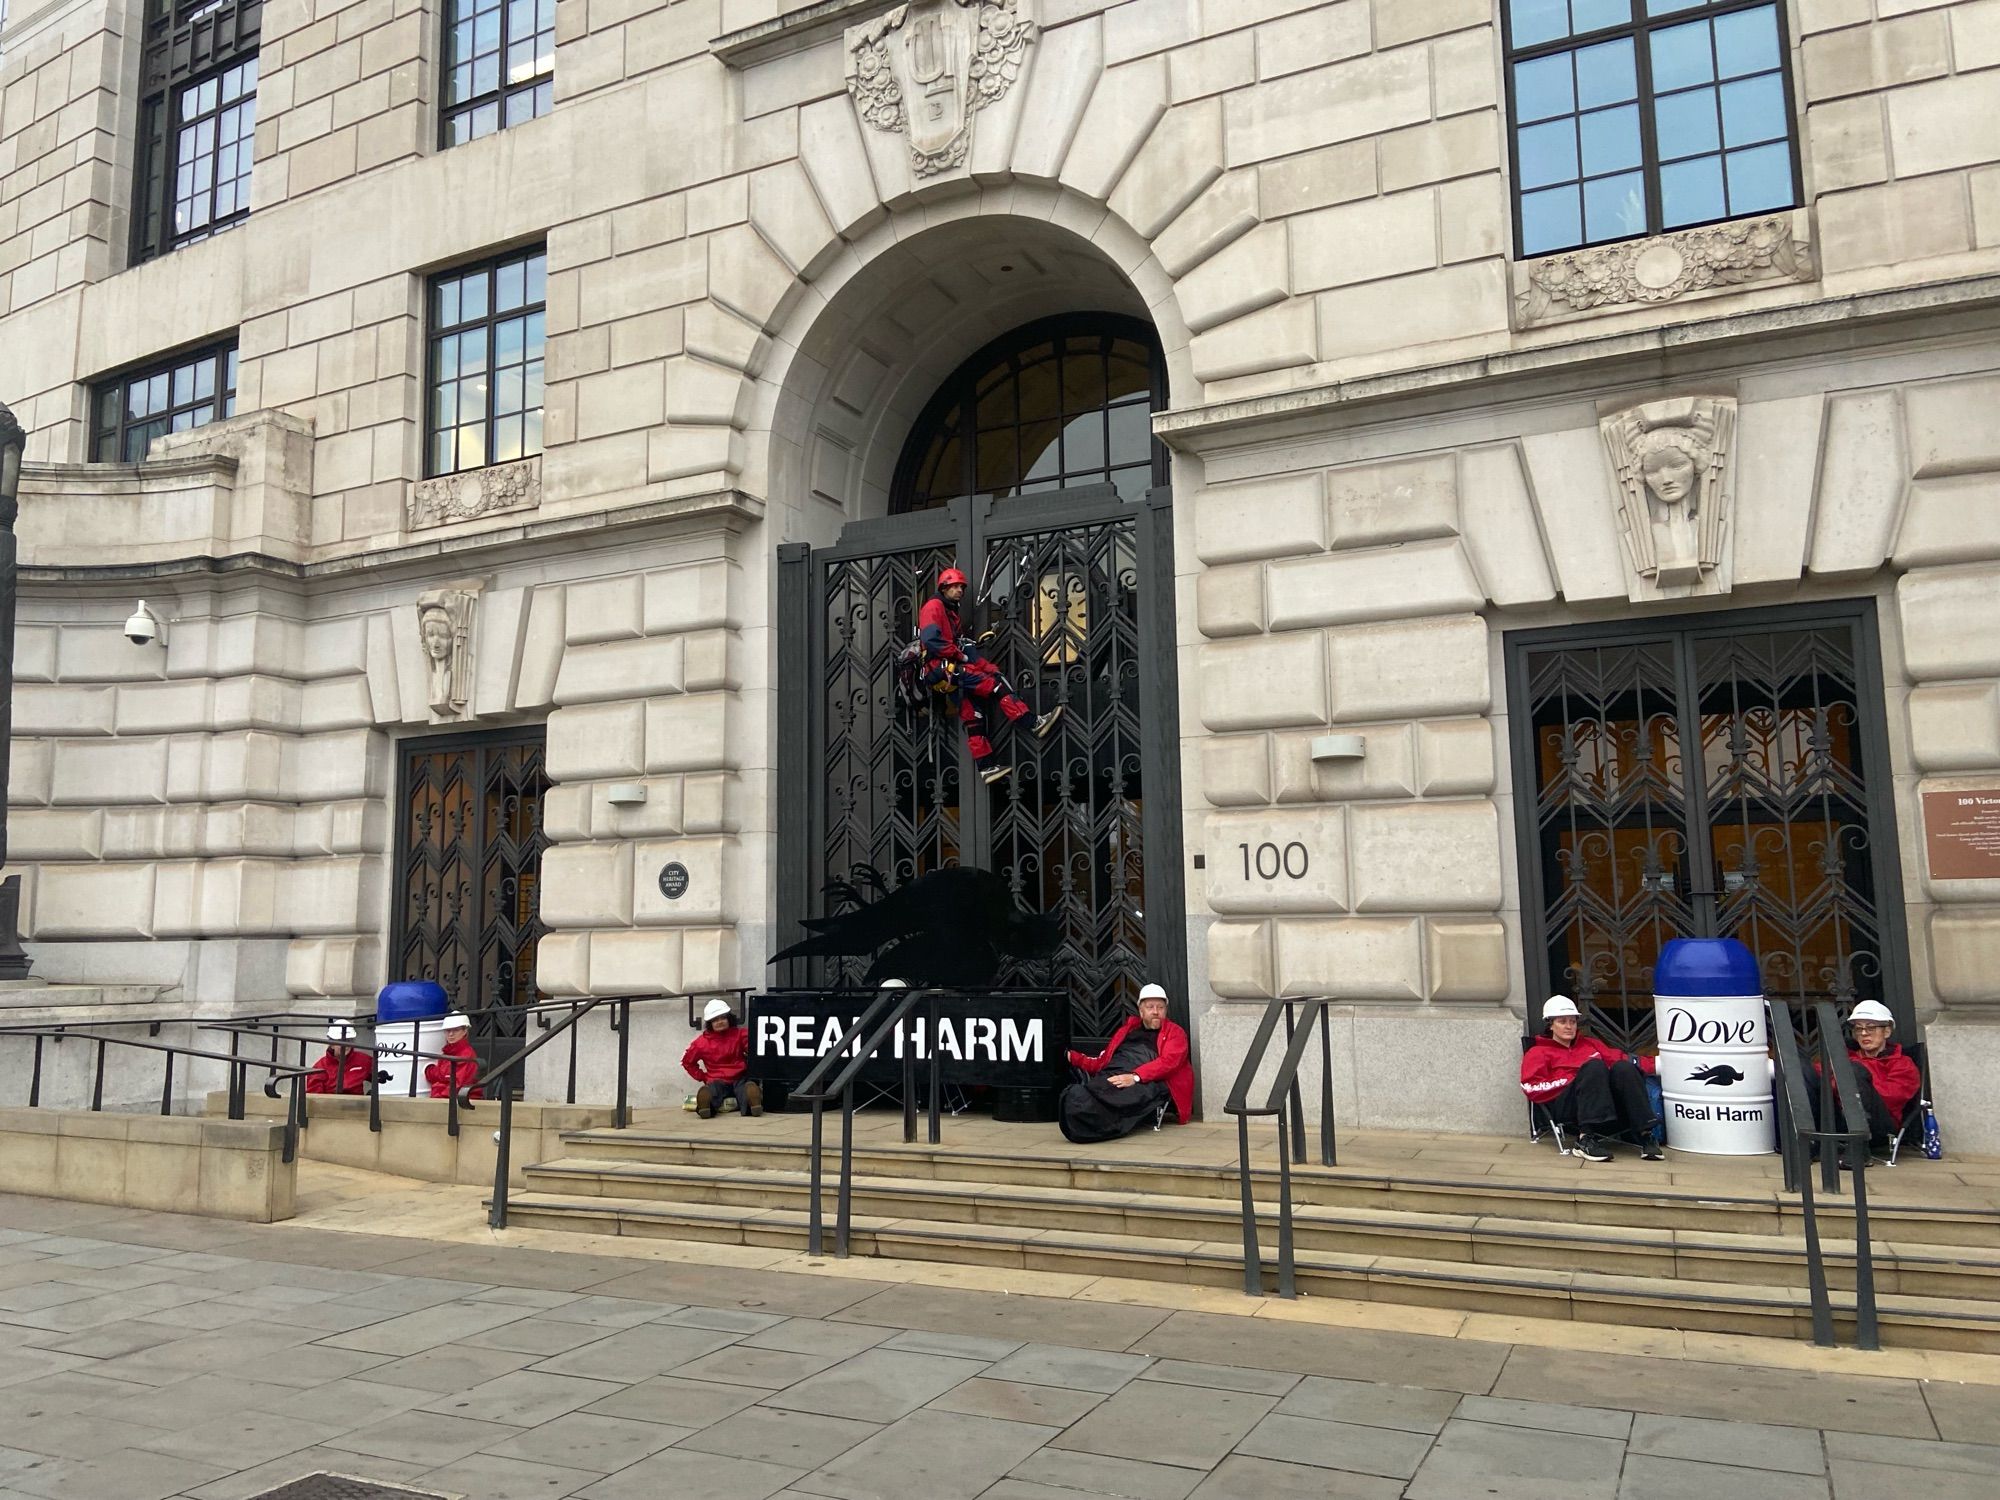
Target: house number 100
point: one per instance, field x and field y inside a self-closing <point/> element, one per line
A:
<point x="1290" y="861"/>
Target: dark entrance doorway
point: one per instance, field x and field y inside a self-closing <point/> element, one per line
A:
<point x="1722" y="776"/>
<point x="469" y="847"/>
<point x="1070" y="539"/>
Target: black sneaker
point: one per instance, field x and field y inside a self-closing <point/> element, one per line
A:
<point x="1592" y="1148"/>
<point x="1649" y="1149"/>
<point x="1046" y="722"/>
<point x="993" y="775"/>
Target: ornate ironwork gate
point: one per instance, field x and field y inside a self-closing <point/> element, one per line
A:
<point x="468" y="861"/>
<point x="1726" y="777"/>
<point x="1080" y="595"/>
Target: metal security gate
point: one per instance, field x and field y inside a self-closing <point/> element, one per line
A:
<point x="469" y="845"/>
<point x="1721" y="777"/>
<point x="1080" y="597"/>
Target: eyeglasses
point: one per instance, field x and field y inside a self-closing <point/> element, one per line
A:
<point x="1860" y="1026"/>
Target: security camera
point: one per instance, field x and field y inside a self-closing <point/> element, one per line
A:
<point x="144" y="626"/>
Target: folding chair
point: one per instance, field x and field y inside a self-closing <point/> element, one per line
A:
<point x="1912" y="1125"/>
<point x="1539" y="1119"/>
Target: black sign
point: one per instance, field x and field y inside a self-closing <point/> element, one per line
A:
<point x="1017" y="1040"/>
<point x="673" y="880"/>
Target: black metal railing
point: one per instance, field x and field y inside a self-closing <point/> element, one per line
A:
<point x="620" y="1011"/>
<point x="835" y="1074"/>
<point x="295" y="1112"/>
<point x="1840" y="1134"/>
<point x="1283" y="1097"/>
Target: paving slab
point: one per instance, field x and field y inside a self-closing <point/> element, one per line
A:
<point x="73" y="1434"/>
<point x="80" y="1390"/>
<point x="450" y="1367"/>
<point x="1958" y="1458"/>
<point x="121" y="1475"/>
<point x="1192" y="1426"/>
<point x="585" y="1440"/>
<point x="632" y="1354"/>
<point x="1221" y="1377"/>
<point x="1545" y="1416"/>
<point x="727" y="1319"/>
<point x="1244" y="1478"/>
<point x="1748" y="1445"/>
<point x="771" y="1435"/>
<point x="765" y="1369"/>
<point x="680" y="1403"/>
<point x="1099" y="1474"/>
<point x="1694" y="1388"/>
<point x="1051" y="1320"/>
<point x="607" y="1312"/>
<point x="412" y="1333"/>
<point x="780" y="1293"/>
<point x="1963" y="1413"/>
<point x="1649" y="1478"/>
<point x="926" y="1455"/>
<point x="1014" y="1401"/>
<point x="1854" y="1479"/>
<point x="280" y="1471"/>
<point x="1380" y="1451"/>
<point x="539" y="1336"/>
<point x="1346" y="1353"/>
<point x="1401" y="1407"/>
<point x="814" y="1336"/>
<point x="1071" y="1369"/>
<point x="697" y="1476"/>
<point x="492" y="1478"/>
<point x="877" y="1385"/>
<point x="954" y="1345"/>
<point x="348" y="1404"/>
<point x="421" y="1437"/>
<point x="1506" y="1463"/>
<point x="523" y="1398"/>
<point x="243" y="1438"/>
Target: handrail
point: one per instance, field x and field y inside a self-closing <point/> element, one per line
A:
<point x="1796" y="1133"/>
<point x="295" y="1114"/>
<point x="1284" y="1089"/>
<point x="621" y="1025"/>
<point x="864" y="1037"/>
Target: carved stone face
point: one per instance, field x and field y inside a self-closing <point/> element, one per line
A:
<point x="437" y="635"/>
<point x="1669" y="473"/>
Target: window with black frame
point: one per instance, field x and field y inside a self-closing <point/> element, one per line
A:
<point x="188" y="390"/>
<point x="1636" y="117"/>
<point x="499" y="66"/>
<point x="197" y="121"/>
<point x="484" y="384"/>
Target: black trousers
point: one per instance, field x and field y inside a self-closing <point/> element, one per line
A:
<point x="1881" y="1126"/>
<point x="1604" y="1101"/>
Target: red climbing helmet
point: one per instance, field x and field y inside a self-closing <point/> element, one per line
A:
<point x="949" y="577"/>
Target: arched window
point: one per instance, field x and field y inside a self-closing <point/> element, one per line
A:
<point x="1055" y="405"/>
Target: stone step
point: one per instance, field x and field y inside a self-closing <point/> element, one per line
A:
<point x="1961" y="1272"/>
<point x="1897" y="1209"/>
<point x="1512" y="1291"/>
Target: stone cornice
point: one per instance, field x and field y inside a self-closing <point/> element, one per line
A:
<point x="730" y="509"/>
<point x="1586" y="365"/>
<point x="797" y="29"/>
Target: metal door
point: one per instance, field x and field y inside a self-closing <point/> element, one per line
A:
<point x="1720" y="777"/>
<point x="1085" y="829"/>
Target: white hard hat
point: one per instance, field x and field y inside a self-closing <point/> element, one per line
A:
<point x="1871" y="1010"/>
<point x="340" y="1031"/>
<point x="714" y="1008"/>
<point x="895" y="984"/>
<point x="1558" y="1005"/>
<point x="1153" y="992"/>
<point x="456" y="1021"/>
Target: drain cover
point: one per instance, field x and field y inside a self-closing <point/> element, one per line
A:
<point x="343" y="1487"/>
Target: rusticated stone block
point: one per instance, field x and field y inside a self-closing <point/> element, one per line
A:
<point x="1965" y="955"/>
<point x="697" y="597"/>
<point x="562" y="963"/>
<point x="1230" y="601"/>
<point x="635" y="963"/>
<point x="1404" y="500"/>
<point x="1278" y="861"/>
<point x="604" y="609"/>
<point x="1239" y="960"/>
<point x="1381" y="583"/>
<point x="1355" y="958"/>
<point x="1951" y="622"/>
<point x="1956" y="726"/>
<point x="1951" y="519"/>
<point x="647" y="668"/>
<point x="1272" y="682"/>
<point x="603" y="740"/>
<point x="1951" y="426"/>
<point x="1466" y="959"/>
<point x="707" y="898"/>
<point x="1283" y="516"/>
<point x="1387" y="768"/>
<point x="1419" y="669"/>
<point x="587" y="885"/>
<point x="687" y="734"/>
<point x="1236" y="771"/>
<point x="1455" y="759"/>
<point x="708" y="960"/>
<point x="1426" y="856"/>
<point x="94" y="901"/>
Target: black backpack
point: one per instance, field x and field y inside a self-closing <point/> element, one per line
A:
<point x="911" y="694"/>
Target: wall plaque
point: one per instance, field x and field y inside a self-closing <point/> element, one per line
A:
<point x="673" y="880"/>
<point x="1962" y="834"/>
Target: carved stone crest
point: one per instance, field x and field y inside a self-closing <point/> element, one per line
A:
<point x="927" y="67"/>
<point x="475" y="492"/>
<point x="1672" y="462"/>
<point x="1633" y="273"/>
<point x="444" y="624"/>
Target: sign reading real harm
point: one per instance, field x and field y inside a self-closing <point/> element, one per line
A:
<point x="1017" y="1040"/>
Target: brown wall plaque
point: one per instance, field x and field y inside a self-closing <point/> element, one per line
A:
<point x="1962" y="834"/>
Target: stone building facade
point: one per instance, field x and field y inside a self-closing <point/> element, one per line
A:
<point x="1461" y="526"/>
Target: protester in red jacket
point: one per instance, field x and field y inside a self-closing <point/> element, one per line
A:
<point x="1585" y="1085"/>
<point x="343" y="1069"/>
<point x="966" y="680"/>
<point x="1883" y="1073"/>
<point x="1144" y="1065"/>
<point x="460" y="1064"/>
<point x="717" y="1059"/>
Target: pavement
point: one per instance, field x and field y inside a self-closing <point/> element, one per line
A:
<point x="146" y="1356"/>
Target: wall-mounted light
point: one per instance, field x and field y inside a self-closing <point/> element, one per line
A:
<point x="1327" y="747"/>
<point x="626" y="794"/>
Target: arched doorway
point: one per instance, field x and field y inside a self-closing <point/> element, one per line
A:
<point x="1034" y="468"/>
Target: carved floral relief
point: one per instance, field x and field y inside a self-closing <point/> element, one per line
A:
<point x="474" y="493"/>
<point x="928" y="67"/>
<point x="1634" y="273"/>
<point x="1672" y="462"/>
